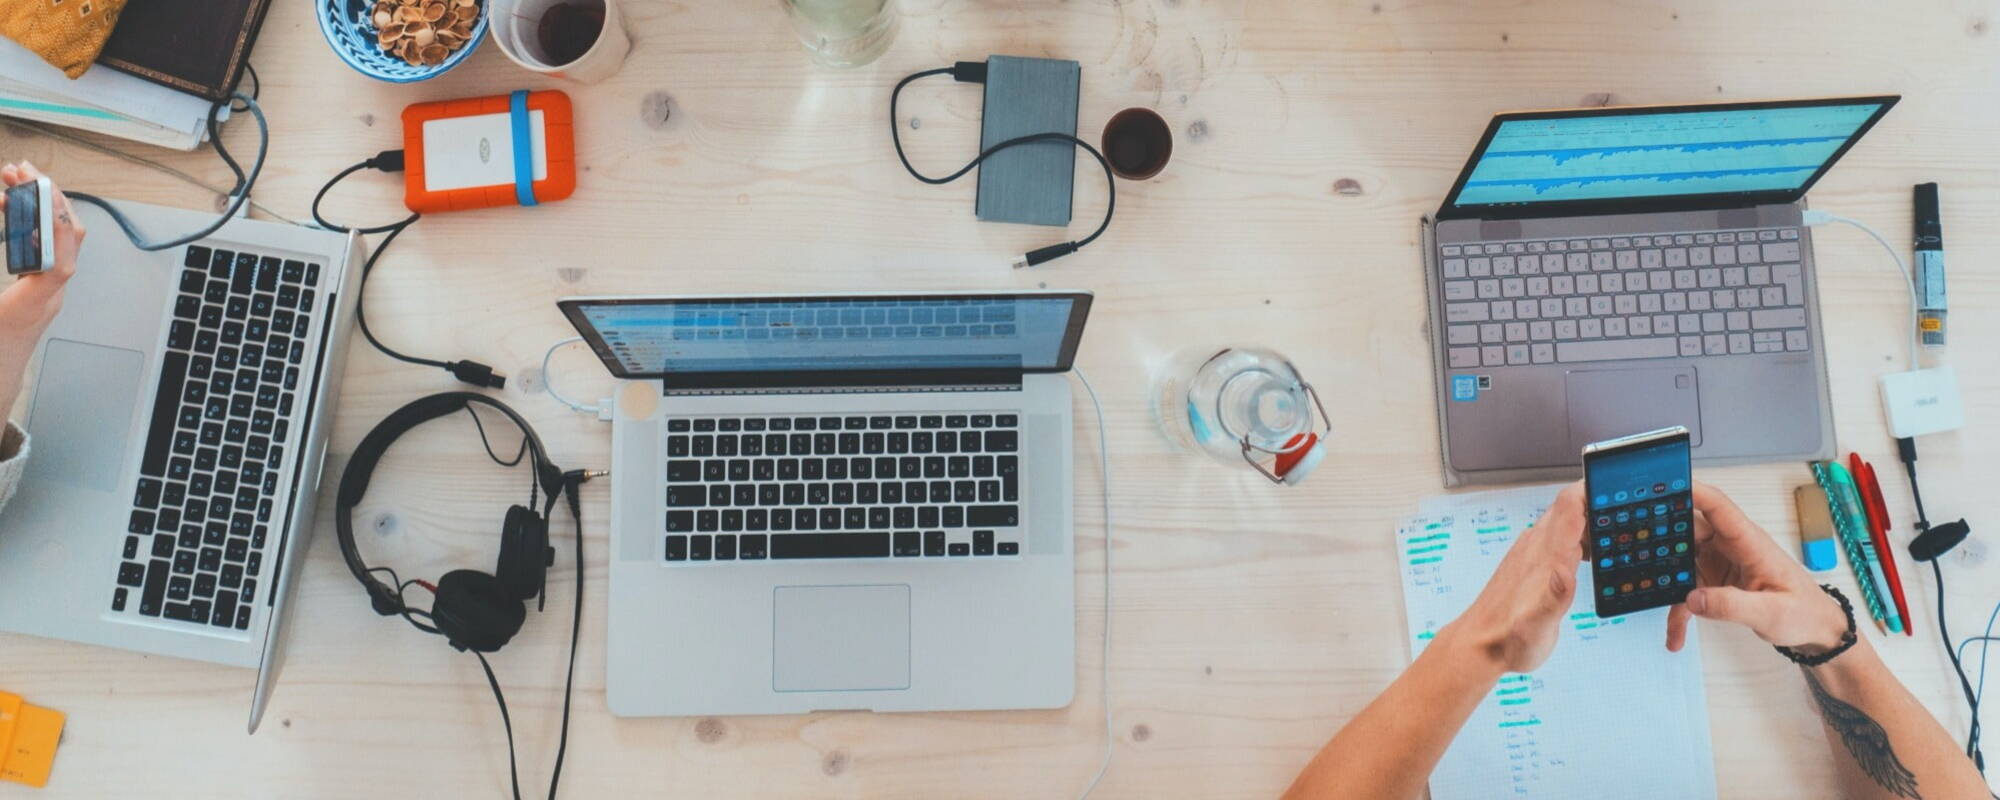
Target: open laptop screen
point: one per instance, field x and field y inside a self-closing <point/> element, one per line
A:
<point x="1759" y="152"/>
<point x="659" y="337"/>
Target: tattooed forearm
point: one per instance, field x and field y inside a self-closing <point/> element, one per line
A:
<point x="1864" y="739"/>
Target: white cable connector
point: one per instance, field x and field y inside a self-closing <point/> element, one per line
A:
<point x="603" y="408"/>
<point x="1813" y="217"/>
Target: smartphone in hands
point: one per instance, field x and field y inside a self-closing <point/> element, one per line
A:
<point x="30" y="226"/>
<point x="1639" y="520"/>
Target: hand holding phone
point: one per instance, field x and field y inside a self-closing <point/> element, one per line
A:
<point x="1639" y="521"/>
<point x="30" y="226"/>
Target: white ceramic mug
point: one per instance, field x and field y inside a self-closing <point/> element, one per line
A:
<point x="514" y="27"/>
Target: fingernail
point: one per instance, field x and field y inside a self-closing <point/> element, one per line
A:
<point x="1697" y="602"/>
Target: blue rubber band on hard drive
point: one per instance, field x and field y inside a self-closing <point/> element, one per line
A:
<point x="524" y="150"/>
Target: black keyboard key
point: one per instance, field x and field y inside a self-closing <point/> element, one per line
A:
<point x="781" y="519"/>
<point x="763" y="469"/>
<point x="704" y="426"/>
<point x="934" y="543"/>
<point x="179" y="611"/>
<point x="703" y="446"/>
<point x="225" y="610"/>
<point x="732" y="519"/>
<point x="767" y="495"/>
<point x="829" y="519"/>
<point x="677" y="548"/>
<point x="752" y="546"/>
<point x="1002" y="441"/>
<point x="216" y="294"/>
<point x="934" y="466"/>
<point x="687" y="496"/>
<point x="955" y="421"/>
<point x="799" y="444"/>
<point x="118" y="599"/>
<point x="239" y="549"/>
<point x="954" y="516"/>
<point x="982" y="420"/>
<point x="1010" y="548"/>
<point x="680" y="521"/>
<point x="196" y="258"/>
<point x="155" y="592"/>
<point x="878" y="423"/>
<point x="707" y="520"/>
<point x="204" y="586"/>
<point x="878" y="517"/>
<point x="753" y="425"/>
<point x="244" y="274"/>
<point x="781" y="424"/>
<point x="714" y="470"/>
<point x="982" y="466"/>
<point x="187" y="306"/>
<point x="836" y="469"/>
<point x="232" y="576"/>
<point x="970" y="442"/>
<point x="243" y="617"/>
<point x="683" y="471"/>
<point x="961" y="549"/>
<point x="305" y="299"/>
<point x="982" y="543"/>
<point x="757" y="519"/>
<point x="179" y="469"/>
<point x="130" y="574"/>
<point x="163" y="546"/>
<point x="1006" y="421"/>
<point x="947" y="442"/>
<point x="873" y="444"/>
<point x="132" y="547"/>
<point x="964" y="492"/>
<point x="898" y="443"/>
<point x="795" y="494"/>
<point x="774" y="444"/>
<point x="220" y="264"/>
<point x="237" y="308"/>
<point x="989" y="491"/>
<point x="215" y="532"/>
<point x="141" y="522"/>
<point x="865" y="494"/>
<point x="818" y="494"/>
<point x="993" y="516"/>
<point x="829" y="423"/>
<point x="908" y="543"/>
<point x="927" y="517"/>
<point x="678" y="426"/>
<point x="921" y="442"/>
<point x="725" y="548"/>
<point x="958" y="467"/>
<point x="750" y="446"/>
<point x="718" y="495"/>
<point x="739" y="469"/>
<point x="180" y="589"/>
<point x="294" y="272"/>
<point x="701" y="548"/>
<point x="857" y="423"/>
<point x="831" y="545"/>
<point x="843" y="494"/>
<point x="249" y="590"/>
<point x="148" y="495"/>
<point x="267" y="273"/>
<point x="906" y="423"/>
<point x="312" y="274"/>
<point x="288" y="297"/>
<point x="184" y="562"/>
<point x="159" y="435"/>
<point x="730" y="425"/>
<point x="725" y="446"/>
<point x="856" y="518"/>
<point x="933" y="421"/>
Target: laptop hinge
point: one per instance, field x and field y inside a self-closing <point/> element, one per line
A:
<point x="842" y="382"/>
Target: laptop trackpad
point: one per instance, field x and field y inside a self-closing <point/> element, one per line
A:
<point x="841" y="638"/>
<point x="84" y="396"/>
<point x="1609" y="403"/>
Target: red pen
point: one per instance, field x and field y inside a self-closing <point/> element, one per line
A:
<point x="1878" y="531"/>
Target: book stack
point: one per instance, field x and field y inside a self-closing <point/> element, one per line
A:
<point x="156" y="80"/>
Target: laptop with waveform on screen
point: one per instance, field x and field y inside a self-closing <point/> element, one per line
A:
<point x="1596" y="272"/>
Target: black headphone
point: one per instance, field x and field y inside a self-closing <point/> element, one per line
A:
<point x="473" y="610"/>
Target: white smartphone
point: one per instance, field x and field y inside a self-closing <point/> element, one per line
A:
<point x="31" y="226"/>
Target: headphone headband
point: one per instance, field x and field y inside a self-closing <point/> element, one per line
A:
<point x="361" y="468"/>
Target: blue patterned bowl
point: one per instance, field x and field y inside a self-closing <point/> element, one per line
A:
<point x="351" y="33"/>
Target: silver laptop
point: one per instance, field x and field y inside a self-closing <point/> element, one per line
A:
<point x="178" y="418"/>
<point x="839" y="501"/>
<point x="1596" y="272"/>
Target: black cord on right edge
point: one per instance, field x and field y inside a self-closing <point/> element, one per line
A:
<point x="1906" y="451"/>
<point x="975" y="72"/>
<point x="468" y="371"/>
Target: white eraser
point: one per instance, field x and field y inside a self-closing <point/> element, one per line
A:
<point x="1922" y="401"/>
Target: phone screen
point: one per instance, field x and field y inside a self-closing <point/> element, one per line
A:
<point x="24" y="229"/>
<point x="1640" y="522"/>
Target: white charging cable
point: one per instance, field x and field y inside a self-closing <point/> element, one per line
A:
<point x="1104" y="659"/>
<point x="1821" y="217"/>
<point x="601" y="410"/>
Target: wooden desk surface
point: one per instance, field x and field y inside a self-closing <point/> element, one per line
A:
<point x="1250" y="621"/>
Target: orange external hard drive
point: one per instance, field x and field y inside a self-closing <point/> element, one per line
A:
<point x="511" y="149"/>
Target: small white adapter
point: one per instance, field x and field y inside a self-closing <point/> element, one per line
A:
<point x="1922" y="401"/>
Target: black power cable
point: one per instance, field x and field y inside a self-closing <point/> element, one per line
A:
<point x="975" y="72"/>
<point x="466" y="370"/>
<point x="1930" y="545"/>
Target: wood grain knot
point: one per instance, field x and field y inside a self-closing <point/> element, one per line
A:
<point x="1347" y="186"/>
<point x="1197" y="130"/>
<point x="385" y="523"/>
<point x="656" y="109"/>
<point x="1599" y="99"/>
<point x="710" y="730"/>
<point x="1141" y="732"/>
<point x="834" y="763"/>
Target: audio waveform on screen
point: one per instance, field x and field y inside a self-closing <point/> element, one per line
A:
<point x="1560" y="157"/>
<point x="1692" y="182"/>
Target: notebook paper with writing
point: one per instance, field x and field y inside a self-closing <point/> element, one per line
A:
<point x="1611" y="714"/>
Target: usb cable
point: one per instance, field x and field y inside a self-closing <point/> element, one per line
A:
<point x="975" y="72"/>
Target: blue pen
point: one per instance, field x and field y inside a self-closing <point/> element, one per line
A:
<point x="1849" y="499"/>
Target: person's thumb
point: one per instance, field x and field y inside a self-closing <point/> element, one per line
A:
<point x="1754" y="610"/>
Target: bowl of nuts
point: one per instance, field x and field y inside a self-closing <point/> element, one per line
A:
<point x="402" y="41"/>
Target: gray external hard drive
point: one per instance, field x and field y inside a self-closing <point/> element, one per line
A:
<point x="1031" y="183"/>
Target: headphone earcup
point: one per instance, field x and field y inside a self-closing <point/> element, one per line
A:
<point x="525" y="554"/>
<point x="475" y="611"/>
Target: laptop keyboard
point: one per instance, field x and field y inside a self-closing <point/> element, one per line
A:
<point x="1680" y="295"/>
<point x="215" y="450"/>
<point x="877" y="486"/>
